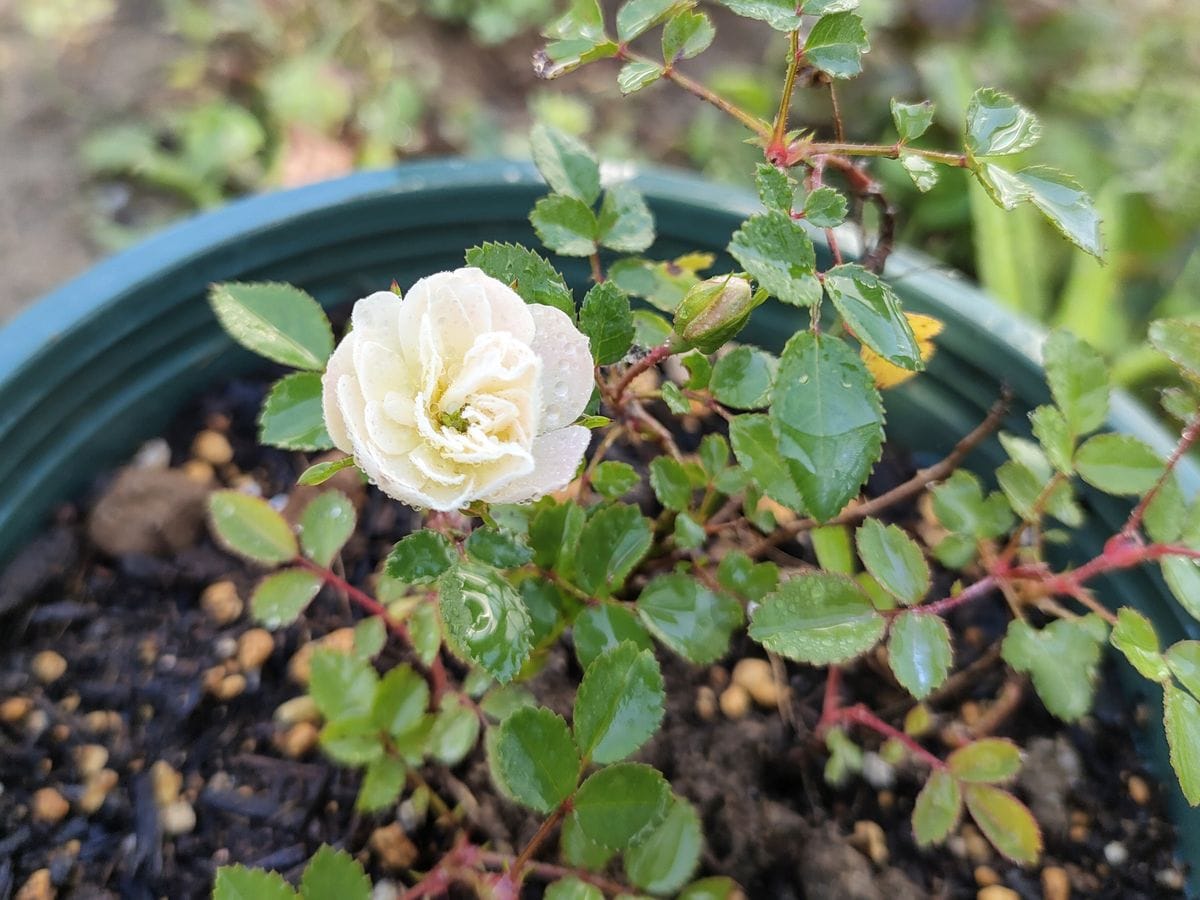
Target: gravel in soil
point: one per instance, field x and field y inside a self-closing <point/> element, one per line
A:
<point x="150" y="732"/>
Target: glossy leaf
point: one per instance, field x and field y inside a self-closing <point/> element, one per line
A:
<point x="277" y="321"/>
<point x="1118" y="464"/>
<point x="567" y="164"/>
<point x="818" y="619"/>
<point x="572" y="889"/>
<point x="873" y="312"/>
<point x="1179" y="339"/>
<point x="686" y="34"/>
<point x="1184" y="659"/>
<point x="781" y="15"/>
<point x="612" y="543"/>
<point x="742" y="378"/>
<point x="1066" y="206"/>
<point x="527" y="273"/>
<point x="619" y="703"/>
<point x="533" y="759"/>
<point x="779" y="255"/>
<point x="919" y="652"/>
<point x="757" y="450"/>
<point x="911" y="119"/>
<point x="579" y="850"/>
<point x="825" y="207"/>
<point x="923" y="173"/>
<point x="635" y="75"/>
<point x="626" y="223"/>
<point x="635" y="17"/>
<point x="663" y="861"/>
<point x="740" y="575"/>
<point x="997" y="125"/>
<point x="496" y="547"/>
<point x="604" y="626"/>
<point x="836" y="44"/>
<point x="605" y="317"/>
<point x="1134" y="636"/>
<point x="319" y="473"/>
<point x="829" y="419"/>
<point x="894" y="559"/>
<point x="485" y="619"/>
<point x="776" y="187"/>
<point x="325" y="526"/>
<point x="554" y="536"/>
<point x="420" y="557"/>
<point x="689" y="618"/>
<point x="292" y="416"/>
<point x="618" y="806"/>
<point x="250" y="527"/>
<point x="566" y="225"/>
<point x="279" y="598"/>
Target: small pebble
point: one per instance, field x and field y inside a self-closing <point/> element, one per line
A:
<point x="154" y="454"/>
<point x="300" y="665"/>
<point x="178" y="818"/>
<point x="48" y="666"/>
<point x="225" y="647"/>
<point x="1171" y="879"/>
<point x="38" y="887"/>
<point x="90" y="758"/>
<point x="230" y="687"/>
<point x="986" y="875"/>
<point x="706" y="703"/>
<point x="868" y="838"/>
<point x="756" y="677"/>
<point x="96" y="790"/>
<point x="878" y="772"/>
<point x="101" y="720"/>
<point x="254" y="648"/>
<point x="997" y="892"/>
<point x="978" y="849"/>
<point x="212" y="447"/>
<point x="1056" y="884"/>
<point x="1115" y="853"/>
<point x="385" y="890"/>
<point x="298" y="709"/>
<point x="69" y="703"/>
<point x="886" y="800"/>
<point x="199" y="471"/>
<point x="1139" y="790"/>
<point x="734" y="701"/>
<point x="298" y="740"/>
<point x="394" y="849"/>
<point x="166" y="781"/>
<point x="14" y="710"/>
<point x="49" y="806"/>
<point x="970" y="712"/>
<point x="221" y="603"/>
<point x="37" y="722"/>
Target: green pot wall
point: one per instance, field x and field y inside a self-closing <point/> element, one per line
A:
<point x="102" y="363"/>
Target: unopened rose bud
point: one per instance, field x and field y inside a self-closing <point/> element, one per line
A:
<point x="714" y="311"/>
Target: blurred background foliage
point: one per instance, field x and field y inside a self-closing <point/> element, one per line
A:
<point x="267" y="93"/>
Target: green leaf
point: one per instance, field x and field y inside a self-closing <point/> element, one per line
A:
<point x="1183" y="578"/>
<point x="1004" y="188"/>
<point x="1179" y="339"/>
<point x="277" y="321"/>
<point x="911" y="119"/>
<point x="572" y="889"/>
<point x="779" y="255"/>
<point x="626" y="223"/>
<point x="825" y="208"/>
<point x="1005" y="821"/>
<point x="1181" y="719"/>
<point x="342" y="685"/>
<point x="249" y="527"/>
<point x="319" y="473"/>
<point x="873" y="311"/>
<point x="829" y="418"/>
<point x="567" y="164"/>
<point x="579" y="850"/>
<point x="688" y="533"/>
<point x="619" y="704"/>
<point x="496" y="547"/>
<point x="325" y="525"/>
<point x="833" y="549"/>
<point x="292" y="416"/>
<point x="689" y="618"/>
<point x="382" y="783"/>
<point x="756" y="447"/>
<point x="664" y="861"/>
<point x="920" y="653"/>
<point x="718" y="887"/>
<point x="565" y="225"/>
<point x="937" y="808"/>
<point x="670" y="482"/>
<point x="836" y="45"/>
<point x="454" y="733"/>
<point x="615" y="479"/>
<point x="240" y="883"/>
<point x="960" y="505"/>
<point x="923" y="173"/>
<point x="352" y="741"/>
<point x="618" y="805"/>
<point x="1063" y="659"/>
<point x="1118" y="464"/>
<point x="649" y="328"/>
<point x="533" y="759"/>
<point x="334" y="873"/>
<point x="686" y="34"/>
<point x="400" y="701"/>
<point x="502" y="701"/>
<point x="578" y="37"/>
<point x="282" y="596"/>
<point x="486" y="619"/>
<point x="636" y="17"/>
<point x="1053" y="432"/>
<point x="554" y="535"/>
<point x="635" y="75"/>
<point x="530" y="275"/>
<point x="740" y="575"/>
<point x="673" y="397"/>
<point x="818" y="619"/>
<point x="1184" y="659"/>
<point x="986" y="761"/>
<point x="894" y="559"/>
<point x="997" y="125"/>
<point x="426" y="632"/>
<point x="1066" y="206"/>
<point x="1134" y="636"/>
<point x="370" y="634"/>
<point x="603" y="627"/>
<point x="420" y="557"/>
<point x="607" y="320"/>
<point x="713" y="454"/>
<point x="1079" y="381"/>
<point x="614" y="540"/>
<point x="775" y="187"/>
<point x="781" y="15"/>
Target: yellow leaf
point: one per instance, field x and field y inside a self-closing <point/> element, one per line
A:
<point x="694" y="262"/>
<point x="887" y="375"/>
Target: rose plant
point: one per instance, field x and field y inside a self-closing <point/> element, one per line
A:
<point x="491" y="403"/>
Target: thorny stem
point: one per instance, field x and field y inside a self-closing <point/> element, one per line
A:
<point x="1191" y="433"/>
<point x="647" y="362"/>
<point x="543" y="832"/>
<point x="860" y="715"/>
<point x="804" y="150"/>
<point x="552" y="872"/>
<point x="785" y="100"/>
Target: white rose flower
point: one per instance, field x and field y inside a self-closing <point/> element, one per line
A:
<point x="459" y="392"/>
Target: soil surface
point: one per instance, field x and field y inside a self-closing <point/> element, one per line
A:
<point x="141" y="741"/>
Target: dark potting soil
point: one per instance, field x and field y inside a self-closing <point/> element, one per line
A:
<point x="127" y="775"/>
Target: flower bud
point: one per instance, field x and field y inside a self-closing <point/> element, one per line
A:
<point x="714" y="311"/>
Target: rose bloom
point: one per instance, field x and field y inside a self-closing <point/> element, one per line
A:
<point x="461" y="391"/>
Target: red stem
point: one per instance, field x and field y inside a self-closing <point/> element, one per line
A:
<point x="1191" y="433"/>
<point x="362" y="599"/>
<point x="983" y="586"/>
<point x="860" y="715"/>
<point x="649" y="361"/>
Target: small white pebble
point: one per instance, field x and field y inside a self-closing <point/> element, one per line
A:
<point x="878" y="772"/>
<point x="154" y="454"/>
<point x="225" y="647"/>
<point x="385" y="890"/>
<point x="1115" y="853"/>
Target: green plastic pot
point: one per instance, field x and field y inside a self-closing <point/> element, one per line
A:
<point x="102" y="363"/>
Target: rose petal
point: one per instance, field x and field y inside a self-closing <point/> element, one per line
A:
<point x="556" y="458"/>
<point x="340" y="363"/>
<point x="375" y="317"/>
<point x="567" y="374"/>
